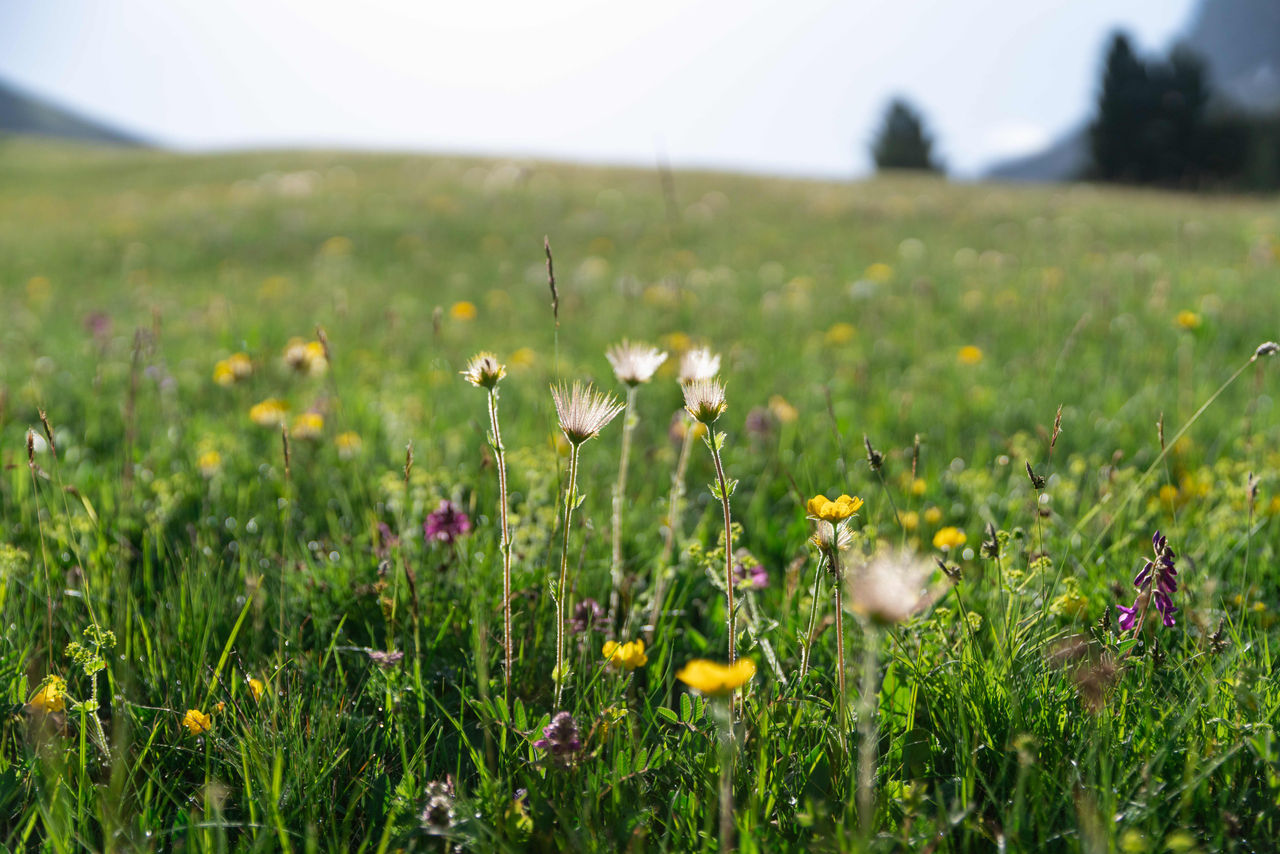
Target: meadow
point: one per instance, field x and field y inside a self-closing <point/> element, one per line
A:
<point x="230" y="626"/>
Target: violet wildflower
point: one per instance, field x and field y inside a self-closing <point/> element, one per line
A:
<point x="588" y="616"/>
<point x="560" y="738"/>
<point x="749" y="572"/>
<point x="1156" y="581"/>
<point x="446" y="523"/>
<point x="439" y="814"/>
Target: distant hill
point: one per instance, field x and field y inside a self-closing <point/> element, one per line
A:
<point x="22" y="113"/>
<point x="1239" y="40"/>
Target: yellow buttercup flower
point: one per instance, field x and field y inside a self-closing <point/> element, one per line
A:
<point x="463" y="310"/>
<point x="948" y="538"/>
<point x="306" y="357"/>
<point x="840" y="333"/>
<point x="625" y="656"/>
<point x="348" y="444"/>
<point x="197" y="721"/>
<point x="308" y="425"/>
<point x="1188" y="320"/>
<point x="716" y="679"/>
<point x="256" y="688"/>
<point x="50" y="697"/>
<point x="932" y="515"/>
<point x="969" y="355"/>
<point x="918" y="486"/>
<point x="240" y="364"/>
<point x="820" y="507"/>
<point x="269" y="413"/>
<point x="223" y="374"/>
<point x="910" y="520"/>
<point x="209" y="463"/>
<point x="782" y="410"/>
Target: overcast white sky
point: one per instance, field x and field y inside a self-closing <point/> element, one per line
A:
<point x="794" y="87"/>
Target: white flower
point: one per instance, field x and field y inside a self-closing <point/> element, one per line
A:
<point x="634" y="364"/>
<point x="699" y="364"/>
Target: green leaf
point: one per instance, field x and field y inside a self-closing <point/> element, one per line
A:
<point x="667" y="715"/>
<point x="686" y="708"/>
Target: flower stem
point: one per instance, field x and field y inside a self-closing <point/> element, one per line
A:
<point x="728" y="547"/>
<point x="813" y="620"/>
<point x="867" y="703"/>
<point x="673" y="530"/>
<point x="728" y="746"/>
<point x="629" y="420"/>
<point x="500" y="453"/>
<point x="842" y="695"/>
<point x="570" y="499"/>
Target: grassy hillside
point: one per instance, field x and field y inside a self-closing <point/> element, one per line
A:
<point x="946" y="324"/>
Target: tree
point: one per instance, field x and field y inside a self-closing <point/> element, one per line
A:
<point x="902" y="142"/>
<point x="1115" y="135"/>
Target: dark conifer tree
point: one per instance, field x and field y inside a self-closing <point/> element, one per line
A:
<point x="902" y="142"/>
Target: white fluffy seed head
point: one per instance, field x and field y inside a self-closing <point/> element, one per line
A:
<point x="698" y="364"/>
<point x="583" y="412"/>
<point x="705" y="400"/>
<point x="484" y="370"/>
<point x="634" y="364"/>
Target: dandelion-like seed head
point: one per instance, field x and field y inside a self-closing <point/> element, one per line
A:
<point x="705" y="400"/>
<point x="698" y="364"/>
<point x="484" y="370"/>
<point x="634" y="364"/>
<point x="583" y="412"/>
<point x="890" y="586"/>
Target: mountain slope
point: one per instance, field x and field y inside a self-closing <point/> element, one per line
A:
<point x="22" y="113"/>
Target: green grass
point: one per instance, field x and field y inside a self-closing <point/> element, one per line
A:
<point x="1006" y="714"/>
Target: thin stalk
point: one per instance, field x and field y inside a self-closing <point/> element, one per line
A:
<point x="728" y="548"/>
<point x="629" y="421"/>
<point x="673" y="529"/>
<point x="842" y="695"/>
<point x="570" y="499"/>
<point x="727" y="751"/>
<point x="867" y="729"/>
<point x="499" y="453"/>
<point x="813" y="620"/>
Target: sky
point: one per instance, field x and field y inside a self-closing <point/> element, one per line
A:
<point x="792" y="87"/>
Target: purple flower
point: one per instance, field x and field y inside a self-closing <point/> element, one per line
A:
<point x="446" y="523"/>
<point x="560" y="737"/>
<point x="1156" y="581"/>
<point x="747" y="571"/>
<point x="588" y="616"/>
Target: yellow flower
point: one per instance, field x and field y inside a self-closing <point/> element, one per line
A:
<point x="820" y="507"/>
<point x="911" y="520"/>
<point x="336" y="245"/>
<point x="918" y="486"/>
<point x="463" y="310"/>
<point x="969" y="355"/>
<point x="197" y="721"/>
<point x="840" y="333"/>
<point x="240" y="364"/>
<point x="348" y="444"/>
<point x="715" y="679"/>
<point x="308" y="425"/>
<point x="932" y="515"/>
<point x="783" y="411"/>
<point x="676" y="342"/>
<point x="879" y="272"/>
<point x="949" y="538"/>
<point x="223" y="374"/>
<point x="269" y="413"/>
<point x="625" y="656"/>
<point x="306" y="357"/>
<point x="50" y="697"/>
<point x="256" y="688"/>
<point x="1188" y="320"/>
<point x="209" y="463"/>
<point x="523" y="358"/>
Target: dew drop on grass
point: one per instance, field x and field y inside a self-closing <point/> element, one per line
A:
<point x="229" y="523"/>
<point x="333" y="557"/>
<point x="251" y="526"/>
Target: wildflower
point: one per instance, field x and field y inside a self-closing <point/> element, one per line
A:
<point x="759" y="422"/>
<point x="910" y="520"/>
<point x="348" y="444"/>
<point x="484" y="370"/>
<point x="257" y="687"/>
<point x="715" y="679"/>
<point x="560" y="738"/>
<point x="705" y="400"/>
<point x="523" y="358"/>
<point x="223" y="375"/>
<point x="932" y="515"/>
<point x="305" y="357"/>
<point x="918" y="486"/>
<point x="879" y="272"/>
<point x="384" y="659"/>
<point x="749" y="572"/>
<point x="308" y="425"/>
<point x="782" y="410"/>
<point x="197" y="721"/>
<point x="698" y="364"/>
<point x="889" y="588"/>
<point x="583" y="412"/>
<point x="446" y="523"/>
<point x="820" y="507"/>
<point x="51" y="696"/>
<point x="949" y="538"/>
<point x="634" y="364"/>
<point x="463" y="310"/>
<point x="588" y="616"/>
<point x="269" y="413"/>
<point x="209" y="463"/>
<point x="840" y="333"/>
<point x="241" y="366"/>
<point x="625" y="656"/>
<point x="1157" y="579"/>
<point x="439" y="815"/>
<point x="969" y="355"/>
<point x="1188" y="320"/>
